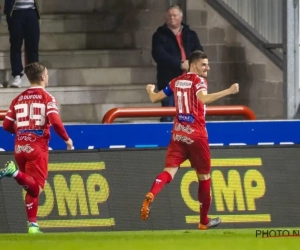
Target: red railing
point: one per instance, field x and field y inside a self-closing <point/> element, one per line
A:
<point x="114" y="113"/>
<point x="2" y="114"/>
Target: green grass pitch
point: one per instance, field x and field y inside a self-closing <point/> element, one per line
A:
<point x="241" y="239"/>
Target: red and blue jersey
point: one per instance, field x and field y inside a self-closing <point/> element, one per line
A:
<point x="190" y="111"/>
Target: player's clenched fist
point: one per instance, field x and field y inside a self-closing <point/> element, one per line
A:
<point x="234" y="88"/>
<point x="69" y="144"/>
<point x="150" y="88"/>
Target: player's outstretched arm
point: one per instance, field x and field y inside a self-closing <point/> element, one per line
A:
<point x="155" y="97"/>
<point x="59" y="128"/>
<point x="209" y="98"/>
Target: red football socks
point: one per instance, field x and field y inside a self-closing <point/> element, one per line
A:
<point x="28" y="184"/>
<point x="204" y="199"/>
<point x="31" y="208"/>
<point x="161" y="180"/>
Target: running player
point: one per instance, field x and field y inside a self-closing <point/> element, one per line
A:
<point x="189" y="136"/>
<point x="29" y="117"/>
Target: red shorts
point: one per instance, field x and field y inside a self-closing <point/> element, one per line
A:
<point x="32" y="159"/>
<point x="196" y="150"/>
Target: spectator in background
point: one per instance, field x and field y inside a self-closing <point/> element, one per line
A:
<point x="172" y="44"/>
<point x="22" y="18"/>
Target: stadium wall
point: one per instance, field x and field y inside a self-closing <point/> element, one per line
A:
<point x="252" y="187"/>
<point x="233" y="58"/>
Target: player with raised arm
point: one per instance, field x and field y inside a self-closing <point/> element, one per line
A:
<point x="29" y="117"/>
<point x="189" y="136"/>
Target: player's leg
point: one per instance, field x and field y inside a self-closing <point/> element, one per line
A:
<point x="176" y="154"/>
<point x="160" y="181"/>
<point x="204" y="198"/>
<point x="37" y="169"/>
<point x="32" y="201"/>
<point x="9" y="170"/>
<point x="24" y="180"/>
<point x="28" y="182"/>
<point x="200" y="161"/>
<point x="165" y="177"/>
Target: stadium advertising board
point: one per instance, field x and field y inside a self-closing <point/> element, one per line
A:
<point x="101" y="136"/>
<point x="252" y="187"/>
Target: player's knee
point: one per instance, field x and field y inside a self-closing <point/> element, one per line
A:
<point x="203" y="177"/>
<point x="33" y="193"/>
<point x="40" y="190"/>
<point x="172" y="171"/>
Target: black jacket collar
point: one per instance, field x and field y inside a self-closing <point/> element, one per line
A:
<point x="165" y="30"/>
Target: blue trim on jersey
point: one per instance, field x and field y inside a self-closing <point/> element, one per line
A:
<point x="186" y="118"/>
<point x="168" y="91"/>
<point x="38" y="132"/>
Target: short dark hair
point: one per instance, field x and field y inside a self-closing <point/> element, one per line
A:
<point x="34" y="71"/>
<point x="197" y="55"/>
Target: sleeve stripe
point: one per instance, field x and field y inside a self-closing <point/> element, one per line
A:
<point x="52" y="111"/>
<point x="201" y="85"/>
<point x="202" y="89"/>
<point x="8" y="118"/>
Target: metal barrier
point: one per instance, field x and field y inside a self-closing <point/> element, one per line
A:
<point x="114" y="113"/>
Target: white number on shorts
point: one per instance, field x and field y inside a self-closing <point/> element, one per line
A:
<point x="24" y="111"/>
<point x="186" y="102"/>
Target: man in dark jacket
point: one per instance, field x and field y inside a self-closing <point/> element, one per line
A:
<point x="22" y="18"/>
<point x="172" y="44"/>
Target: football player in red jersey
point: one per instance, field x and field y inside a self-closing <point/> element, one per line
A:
<point x="189" y="137"/>
<point x="29" y="117"/>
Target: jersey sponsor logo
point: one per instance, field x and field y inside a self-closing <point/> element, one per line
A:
<point x="26" y="138"/>
<point x="183" y="84"/>
<point x="187" y="129"/>
<point x="38" y="132"/>
<point x="182" y="138"/>
<point x="23" y="148"/>
<point x="51" y="105"/>
<point x="186" y="118"/>
<point x="29" y="97"/>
